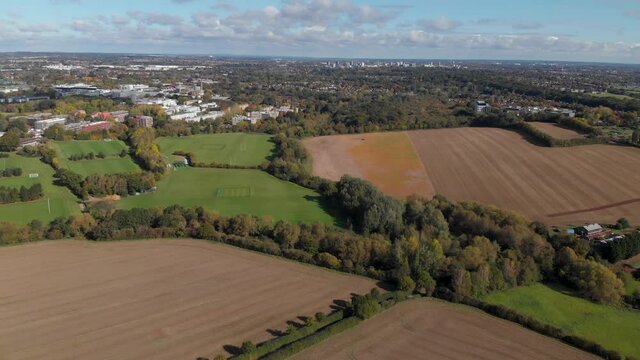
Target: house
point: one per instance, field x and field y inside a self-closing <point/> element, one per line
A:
<point x="592" y="232"/>
<point x="482" y="106"/>
<point x="143" y="121"/>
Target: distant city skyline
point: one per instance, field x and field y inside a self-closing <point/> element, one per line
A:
<point x="563" y="30"/>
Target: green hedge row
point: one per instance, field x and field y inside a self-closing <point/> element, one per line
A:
<point x="329" y="331"/>
<point x="270" y="346"/>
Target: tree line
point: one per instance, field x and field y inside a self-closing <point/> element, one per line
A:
<point x="11" y="172"/>
<point x="10" y="195"/>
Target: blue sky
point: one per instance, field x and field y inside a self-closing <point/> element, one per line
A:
<point x="586" y="30"/>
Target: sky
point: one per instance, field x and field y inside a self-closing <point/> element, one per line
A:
<point x="571" y="30"/>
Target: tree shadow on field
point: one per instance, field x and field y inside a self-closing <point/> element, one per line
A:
<point x="339" y="219"/>
<point x="232" y="350"/>
<point x="339" y="305"/>
<point x="386" y="286"/>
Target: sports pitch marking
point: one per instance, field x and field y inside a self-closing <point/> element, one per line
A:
<point x="235" y="192"/>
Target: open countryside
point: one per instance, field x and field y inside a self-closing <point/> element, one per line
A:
<point x="432" y="329"/>
<point x="611" y="327"/>
<point x="558" y="186"/>
<point x="233" y="148"/>
<point x="233" y="192"/>
<point x="58" y="201"/>
<point x="155" y="299"/>
<point x="113" y="163"/>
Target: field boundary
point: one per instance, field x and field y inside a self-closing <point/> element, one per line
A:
<point x="597" y="208"/>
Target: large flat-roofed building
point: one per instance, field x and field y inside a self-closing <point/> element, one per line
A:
<point x="45" y="124"/>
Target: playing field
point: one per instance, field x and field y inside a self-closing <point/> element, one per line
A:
<point x="232" y="192"/>
<point x="613" y="328"/>
<point x="559" y="186"/>
<point x="431" y="329"/>
<point x="234" y="148"/>
<point x="154" y="299"/>
<point x="556" y="131"/>
<point x="57" y="202"/>
<point x="112" y="164"/>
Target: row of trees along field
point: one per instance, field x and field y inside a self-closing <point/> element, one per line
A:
<point x="23" y="194"/>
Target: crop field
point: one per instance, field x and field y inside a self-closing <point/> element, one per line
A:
<point x="431" y="329"/>
<point x="613" y="328"/>
<point x="556" y="131"/>
<point x="112" y="164"/>
<point x="558" y="186"/>
<point x="233" y="148"/>
<point x="386" y="159"/>
<point x="152" y="299"/>
<point x="57" y="202"/>
<point x="232" y="192"/>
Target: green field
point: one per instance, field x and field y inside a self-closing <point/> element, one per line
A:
<point x="232" y="192"/>
<point x="235" y="148"/>
<point x="112" y="164"/>
<point x="613" y="328"/>
<point x="61" y="201"/>
<point x="611" y="95"/>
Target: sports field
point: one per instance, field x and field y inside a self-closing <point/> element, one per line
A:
<point x="613" y="328"/>
<point x="56" y="198"/>
<point x="152" y="299"/>
<point x="558" y="186"/>
<point x="232" y="192"/>
<point x="432" y="329"/>
<point x="234" y="148"/>
<point x="112" y="164"/>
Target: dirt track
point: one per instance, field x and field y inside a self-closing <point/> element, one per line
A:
<point x="557" y="131"/>
<point x="159" y="299"/>
<point x="429" y="329"/>
<point x="558" y="186"/>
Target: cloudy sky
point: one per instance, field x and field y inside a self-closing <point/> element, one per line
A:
<point x="587" y="30"/>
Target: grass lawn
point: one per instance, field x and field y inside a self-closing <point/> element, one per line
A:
<point x="112" y="164"/>
<point x="62" y="202"/>
<point x="611" y="95"/>
<point x="232" y="192"/>
<point x="613" y="328"/>
<point x="233" y="148"/>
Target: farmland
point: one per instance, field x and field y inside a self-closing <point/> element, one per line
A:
<point x="556" y="131"/>
<point x="434" y="329"/>
<point x="160" y="299"/>
<point x="232" y="192"/>
<point x="613" y="328"/>
<point x="558" y="186"/>
<point x="60" y="200"/>
<point x="232" y="148"/>
<point x="112" y="164"/>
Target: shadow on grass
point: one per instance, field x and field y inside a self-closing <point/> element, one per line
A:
<point x="339" y="218"/>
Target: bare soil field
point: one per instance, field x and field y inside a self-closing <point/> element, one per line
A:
<point x="558" y="186"/>
<point x="386" y="159"/>
<point x="556" y="131"/>
<point x="431" y="329"/>
<point x="158" y="299"/>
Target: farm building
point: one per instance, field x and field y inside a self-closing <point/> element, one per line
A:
<point x="482" y="106"/>
<point x="592" y="232"/>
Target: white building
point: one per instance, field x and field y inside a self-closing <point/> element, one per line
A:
<point x="482" y="106"/>
<point x="45" y="124"/>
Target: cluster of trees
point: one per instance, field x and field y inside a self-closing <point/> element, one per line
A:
<point x="10" y="172"/>
<point x="87" y="156"/>
<point x="23" y="194"/>
<point x="145" y="151"/>
<point x="10" y="140"/>
<point x="103" y="185"/>
<point x="620" y="249"/>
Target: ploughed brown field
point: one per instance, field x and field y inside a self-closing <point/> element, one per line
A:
<point x="430" y="329"/>
<point x="558" y="186"/>
<point x="556" y="131"/>
<point x="159" y="299"/>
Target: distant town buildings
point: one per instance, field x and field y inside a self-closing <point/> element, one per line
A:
<point x="482" y="106"/>
<point x="45" y="124"/>
<point x="142" y="121"/>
